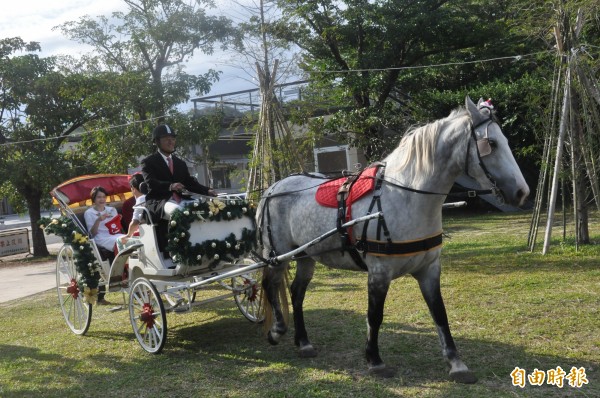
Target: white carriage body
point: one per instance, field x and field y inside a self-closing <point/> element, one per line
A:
<point x="142" y="272"/>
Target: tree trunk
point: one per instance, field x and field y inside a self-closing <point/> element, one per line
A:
<point x="37" y="234"/>
<point x="580" y="193"/>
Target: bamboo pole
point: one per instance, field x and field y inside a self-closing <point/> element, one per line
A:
<point x="558" y="161"/>
<point x="541" y="191"/>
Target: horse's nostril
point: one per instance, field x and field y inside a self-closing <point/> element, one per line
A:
<point x="522" y="194"/>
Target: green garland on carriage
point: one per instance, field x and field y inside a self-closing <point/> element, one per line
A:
<point x="85" y="262"/>
<point x="179" y="246"/>
<point x="214" y="250"/>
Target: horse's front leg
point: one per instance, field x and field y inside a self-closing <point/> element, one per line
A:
<point x="429" y="282"/>
<point x="304" y="273"/>
<point x="378" y="287"/>
<point x="272" y="283"/>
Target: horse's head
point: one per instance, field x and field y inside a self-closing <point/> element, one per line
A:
<point x="490" y="160"/>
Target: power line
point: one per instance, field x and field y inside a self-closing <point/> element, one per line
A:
<point x="512" y="57"/>
<point x="80" y="134"/>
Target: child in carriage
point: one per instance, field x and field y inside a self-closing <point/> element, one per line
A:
<point x="139" y="189"/>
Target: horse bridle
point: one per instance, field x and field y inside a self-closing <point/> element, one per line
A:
<point x="484" y="149"/>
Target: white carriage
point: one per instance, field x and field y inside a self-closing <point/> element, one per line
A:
<point x="208" y="252"/>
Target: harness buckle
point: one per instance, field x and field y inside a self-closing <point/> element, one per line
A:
<point x="471" y="194"/>
<point x="360" y="246"/>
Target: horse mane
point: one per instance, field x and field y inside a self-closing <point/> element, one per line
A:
<point x="414" y="155"/>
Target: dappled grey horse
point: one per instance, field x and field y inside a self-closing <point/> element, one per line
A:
<point x="411" y="185"/>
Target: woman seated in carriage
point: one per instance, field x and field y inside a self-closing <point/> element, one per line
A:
<point x="103" y="222"/>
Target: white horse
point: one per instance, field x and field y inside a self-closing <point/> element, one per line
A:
<point x="413" y="185"/>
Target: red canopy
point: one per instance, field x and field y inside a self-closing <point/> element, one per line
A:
<point x="76" y="191"/>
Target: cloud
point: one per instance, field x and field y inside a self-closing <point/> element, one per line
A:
<point x="35" y="20"/>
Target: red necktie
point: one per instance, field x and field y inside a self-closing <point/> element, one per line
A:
<point x="175" y="196"/>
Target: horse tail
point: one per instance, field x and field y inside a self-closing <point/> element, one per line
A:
<point x="284" y="302"/>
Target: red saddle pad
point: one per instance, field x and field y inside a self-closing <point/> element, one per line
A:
<point x="327" y="192"/>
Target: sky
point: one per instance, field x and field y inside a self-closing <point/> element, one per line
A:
<point x="34" y="20"/>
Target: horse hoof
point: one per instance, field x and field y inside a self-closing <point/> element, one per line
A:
<point x="463" y="377"/>
<point x="382" y="371"/>
<point x="307" y="352"/>
<point x="273" y="338"/>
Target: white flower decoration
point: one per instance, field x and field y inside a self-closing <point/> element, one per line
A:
<point x="187" y="213"/>
<point x="183" y="234"/>
<point x="228" y="245"/>
<point x="173" y="223"/>
<point x="176" y="239"/>
<point x="64" y="225"/>
<point x="244" y="210"/>
<point x="216" y="257"/>
<point x="213" y="245"/>
<point x="80" y="247"/>
<point x="237" y="247"/>
<point x="228" y="214"/>
<point x="195" y="204"/>
<point x="199" y="257"/>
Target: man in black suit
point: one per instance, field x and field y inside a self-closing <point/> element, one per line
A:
<point x="167" y="176"/>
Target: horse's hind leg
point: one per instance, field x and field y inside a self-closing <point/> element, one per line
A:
<point x="273" y="282"/>
<point x="429" y="282"/>
<point x="304" y="273"/>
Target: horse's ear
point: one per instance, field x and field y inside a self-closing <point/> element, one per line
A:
<point x="476" y="115"/>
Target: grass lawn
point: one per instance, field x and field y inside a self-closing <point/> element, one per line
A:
<point x="508" y="309"/>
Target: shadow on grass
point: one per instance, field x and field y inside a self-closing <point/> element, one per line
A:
<point x="232" y="351"/>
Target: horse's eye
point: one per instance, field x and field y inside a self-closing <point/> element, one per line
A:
<point x="493" y="144"/>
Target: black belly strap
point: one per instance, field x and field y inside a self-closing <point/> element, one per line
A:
<point x="408" y="248"/>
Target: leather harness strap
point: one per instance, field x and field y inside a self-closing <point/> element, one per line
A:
<point x="376" y="247"/>
<point x="347" y="245"/>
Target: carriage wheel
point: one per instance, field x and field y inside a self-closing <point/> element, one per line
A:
<point x="147" y="315"/>
<point x="248" y="294"/>
<point x="77" y="313"/>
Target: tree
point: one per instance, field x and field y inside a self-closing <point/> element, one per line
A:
<point x="362" y="47"/>
<point x="150" y="44"/>
<point x="37" y="115"/>
<point x="570" y="27"/>
<point x="146" y="49"/>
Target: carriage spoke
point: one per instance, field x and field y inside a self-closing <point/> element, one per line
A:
<point x="77" y="313"/>
<point x="147" y="315"/>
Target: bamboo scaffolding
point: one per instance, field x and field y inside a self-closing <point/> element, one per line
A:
<point x="274" y="154"/>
